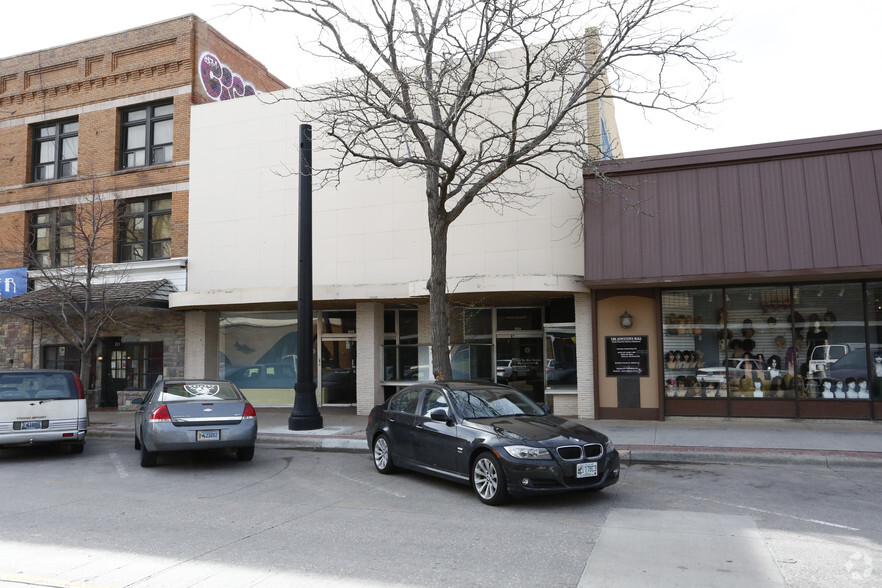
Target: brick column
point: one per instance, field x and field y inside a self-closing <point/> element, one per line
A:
<point x="369" y="365"/>
<point x="584" y="355"/>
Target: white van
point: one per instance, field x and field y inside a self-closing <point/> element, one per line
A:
<point x="42" y="406"/>
<point x="823" y="356"/>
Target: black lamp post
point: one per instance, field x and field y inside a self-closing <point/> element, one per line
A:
<point x="305" y="415"/>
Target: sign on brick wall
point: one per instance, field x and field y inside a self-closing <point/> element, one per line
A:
<point x="13" y="282"/>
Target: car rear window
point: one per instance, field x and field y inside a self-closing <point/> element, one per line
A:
<point x="199" y="391"/>
<point x="36" y="386"/>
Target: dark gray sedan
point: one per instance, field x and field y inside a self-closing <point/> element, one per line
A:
<point x="491" y="437"/>
<point x="188" y="415"/>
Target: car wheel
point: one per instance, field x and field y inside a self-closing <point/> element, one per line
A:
<point x="245" y="453"/>
<point x="488" y="479"/>
<point x="382" y="455"/>
<point x="148" y="458"/>
<point x="77" y="448"/>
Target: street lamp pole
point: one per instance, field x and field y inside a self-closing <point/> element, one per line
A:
<point x="305" y="415"/>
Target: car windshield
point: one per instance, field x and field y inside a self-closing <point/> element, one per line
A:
<point x="199" y="391"/>
<point x="488" y="403"/>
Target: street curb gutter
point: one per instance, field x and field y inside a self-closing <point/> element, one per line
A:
<point x="751" y="456"/>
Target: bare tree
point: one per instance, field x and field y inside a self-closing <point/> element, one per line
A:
<point x="77" y="292"/>
<point x="481" y="97"/>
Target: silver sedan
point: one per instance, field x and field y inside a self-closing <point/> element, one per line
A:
<point x="188" y="415"/>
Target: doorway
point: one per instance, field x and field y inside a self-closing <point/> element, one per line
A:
<point x="337" y="364"/>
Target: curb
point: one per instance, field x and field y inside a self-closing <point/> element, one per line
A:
<point x="637" y="454"/>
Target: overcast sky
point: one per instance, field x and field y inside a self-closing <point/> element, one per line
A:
<point x="806" y="68"/>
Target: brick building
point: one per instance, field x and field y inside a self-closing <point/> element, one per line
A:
<point x="98" y="122"/>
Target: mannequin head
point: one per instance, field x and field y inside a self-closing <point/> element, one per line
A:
<point x="862" y="383"/>
<point x="828" y="385"/>
<point x="850" y="383"/>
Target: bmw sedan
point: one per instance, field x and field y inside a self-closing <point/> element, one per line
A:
<point x="491" y="437"/>
<point x="187" y="415"/>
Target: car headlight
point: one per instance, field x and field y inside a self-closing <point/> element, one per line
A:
<point x="608" y="446"/>
<point x="525" y="452"/>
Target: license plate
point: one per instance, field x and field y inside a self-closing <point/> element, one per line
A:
<point x="586" y="470"/>
<point x="27" y="425"/>
<point x="212" y="435"/>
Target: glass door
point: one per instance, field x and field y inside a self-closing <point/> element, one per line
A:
<point x="337" y="369"/>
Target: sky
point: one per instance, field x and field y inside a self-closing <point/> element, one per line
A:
<point x="803" y="68"/>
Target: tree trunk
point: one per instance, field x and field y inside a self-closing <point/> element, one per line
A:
<point x="437" y="286"/>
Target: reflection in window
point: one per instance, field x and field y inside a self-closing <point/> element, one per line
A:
<point x="560" y="357"/>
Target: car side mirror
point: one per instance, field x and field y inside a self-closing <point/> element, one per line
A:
<point x="137" y="401"/>
<point x="439" y="414"/>
<point x="547" y="409"/>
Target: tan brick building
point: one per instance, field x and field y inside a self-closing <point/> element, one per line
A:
<point x="107" y="120"/>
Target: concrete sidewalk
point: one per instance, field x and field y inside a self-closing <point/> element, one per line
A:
<point x="676" y="440"/>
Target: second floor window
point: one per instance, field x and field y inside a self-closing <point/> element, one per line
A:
<point x="147" y="133"/>
<point x="55" y="150"/>
<point x="52" y="238"/>
<point x="145" y="229"/>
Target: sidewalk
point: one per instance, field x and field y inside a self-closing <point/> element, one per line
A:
<point x="676" y="440"/>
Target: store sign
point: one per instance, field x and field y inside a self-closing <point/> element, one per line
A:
<point x="627" y="355"/>
<point x="13" y="282"/>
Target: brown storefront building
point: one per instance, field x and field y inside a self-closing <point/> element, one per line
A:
<point x="751" y="278"/>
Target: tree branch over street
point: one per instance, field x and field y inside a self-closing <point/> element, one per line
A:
<point x="480" y="98"/>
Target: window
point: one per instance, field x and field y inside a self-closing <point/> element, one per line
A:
<point x="144" y="364"/>
<point x="145" y="229"/>
<point x="52" y="238"/>
<point x="61" y="357"/>
<point x="147" y="133"/>
<point x="55" y="150"/>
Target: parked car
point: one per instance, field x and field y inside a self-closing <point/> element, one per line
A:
<point x="513" y="369"/>
<point x="42" y="406"/>
<point x="491" y="437"/>
<point x="853" y="364"/>
<point x="823" y="356"/>
<point x="737" y="368"/>
<point x="186" y="415"/>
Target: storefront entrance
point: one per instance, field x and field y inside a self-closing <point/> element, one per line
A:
<point x="337" y="369"/>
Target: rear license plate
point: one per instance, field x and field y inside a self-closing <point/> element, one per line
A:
<point x="28" y="425"/>
<point x="211" y="435"/>
<point x="586" y="470"/>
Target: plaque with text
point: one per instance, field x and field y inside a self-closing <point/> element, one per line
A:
<point x="627" y="355"/>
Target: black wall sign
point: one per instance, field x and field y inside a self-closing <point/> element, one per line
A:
<point x="627" y="355"/>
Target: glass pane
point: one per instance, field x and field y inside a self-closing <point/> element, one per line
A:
<point x="160" y="204"/>
<point x="338" y="372"/>
<point x="478" y="323"/>
<point x="160" y="250"/>
<point x="45" y="172"/>
<point x="134" y="115"/>
<point x="43" y="260"/>
<point x="69" y="169"/>
<point x="135" y="207"/>
<point x="163" y="110"/>
<point x="136" y="137"/>
<point x="338" y="321"/>
<point x="407" y="326"/>
<point x="830" y="320"/>
<point x="519" y="319"/>
<point x="47" y="152"/>
<point x="41" y="218"/>
<point x="69" y="148"/>
<point x="66" y="259"/>
<point x="66" y="215"/>
<point x="66" y="237"/>
<point x="43" y="235"/>
<point x="132" y="229"/>
<point x="560" y="358"/>
<point x="46" y="131"/>
<point x="162" y="132"/>
<point x="162" y="154"/>
<point x="695" y="343"/>
<point x="70" y="127"/>
<point x="160" y="226"/>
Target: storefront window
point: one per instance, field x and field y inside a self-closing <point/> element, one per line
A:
<point x="259" y="355"/>
<point x="829" y="323"/>
<point x="762" y="358"/>
<point x="872" y="380"/>
<point x="560" y="357"/>
<point x="478" y="324"/>
<point x="695" y="343"/>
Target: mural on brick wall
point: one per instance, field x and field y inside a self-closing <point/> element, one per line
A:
<point x="219" y="81"/>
